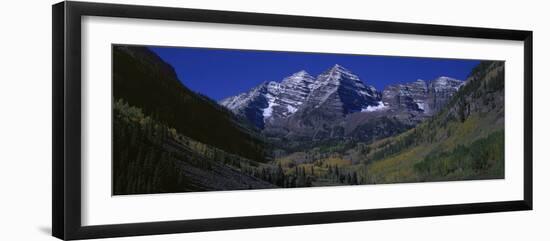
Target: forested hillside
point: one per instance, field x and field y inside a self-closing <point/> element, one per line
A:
<point x="166" y="138"/>
<point x="464" y="141"/>
<point x="143" y="80"/>
<point x="150" y="157"/>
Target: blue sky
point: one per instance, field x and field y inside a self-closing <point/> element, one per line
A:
<point x="220" y="73"/>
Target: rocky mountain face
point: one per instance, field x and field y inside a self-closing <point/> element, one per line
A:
<point x="339" y="91"/>
<point x="338" y="104"/>
<point x="272" y="100"/>
<point x="420" y="98"/>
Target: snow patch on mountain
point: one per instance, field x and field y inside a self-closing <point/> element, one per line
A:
<point x="267" y="112"/>
<point x="291" y="109"/>
<point x="379" y="107"/>
<point x="420" y="105"/>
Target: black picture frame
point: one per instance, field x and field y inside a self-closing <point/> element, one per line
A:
<point x="66" y="47"/>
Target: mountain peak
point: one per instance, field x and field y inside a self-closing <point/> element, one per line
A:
<point x="445" y="78"/>
<point x="341" y="91"/>
<point x="339" y="68"/>
<point x="338" y="73"/>
<point x="299" y="77"/>
<point x="444" y="83"/>
<point x="301" y="73"/>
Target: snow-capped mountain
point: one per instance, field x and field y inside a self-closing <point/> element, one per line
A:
<point x="301" y="100"/>
<point x="342" y="92"/>
<point x="256" y="104"/>
<point x="294" y="90"/>
<point x="271" y="100"/>
<point x="337" y="88"/>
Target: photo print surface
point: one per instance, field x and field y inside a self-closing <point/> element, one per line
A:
<point x="202" y="119"/>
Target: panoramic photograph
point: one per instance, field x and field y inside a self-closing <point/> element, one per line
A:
<point x="202" y="119"/>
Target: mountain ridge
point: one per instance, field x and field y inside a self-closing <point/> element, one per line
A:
<point x="337" y="84"/>
<point x="336" y="103"/>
